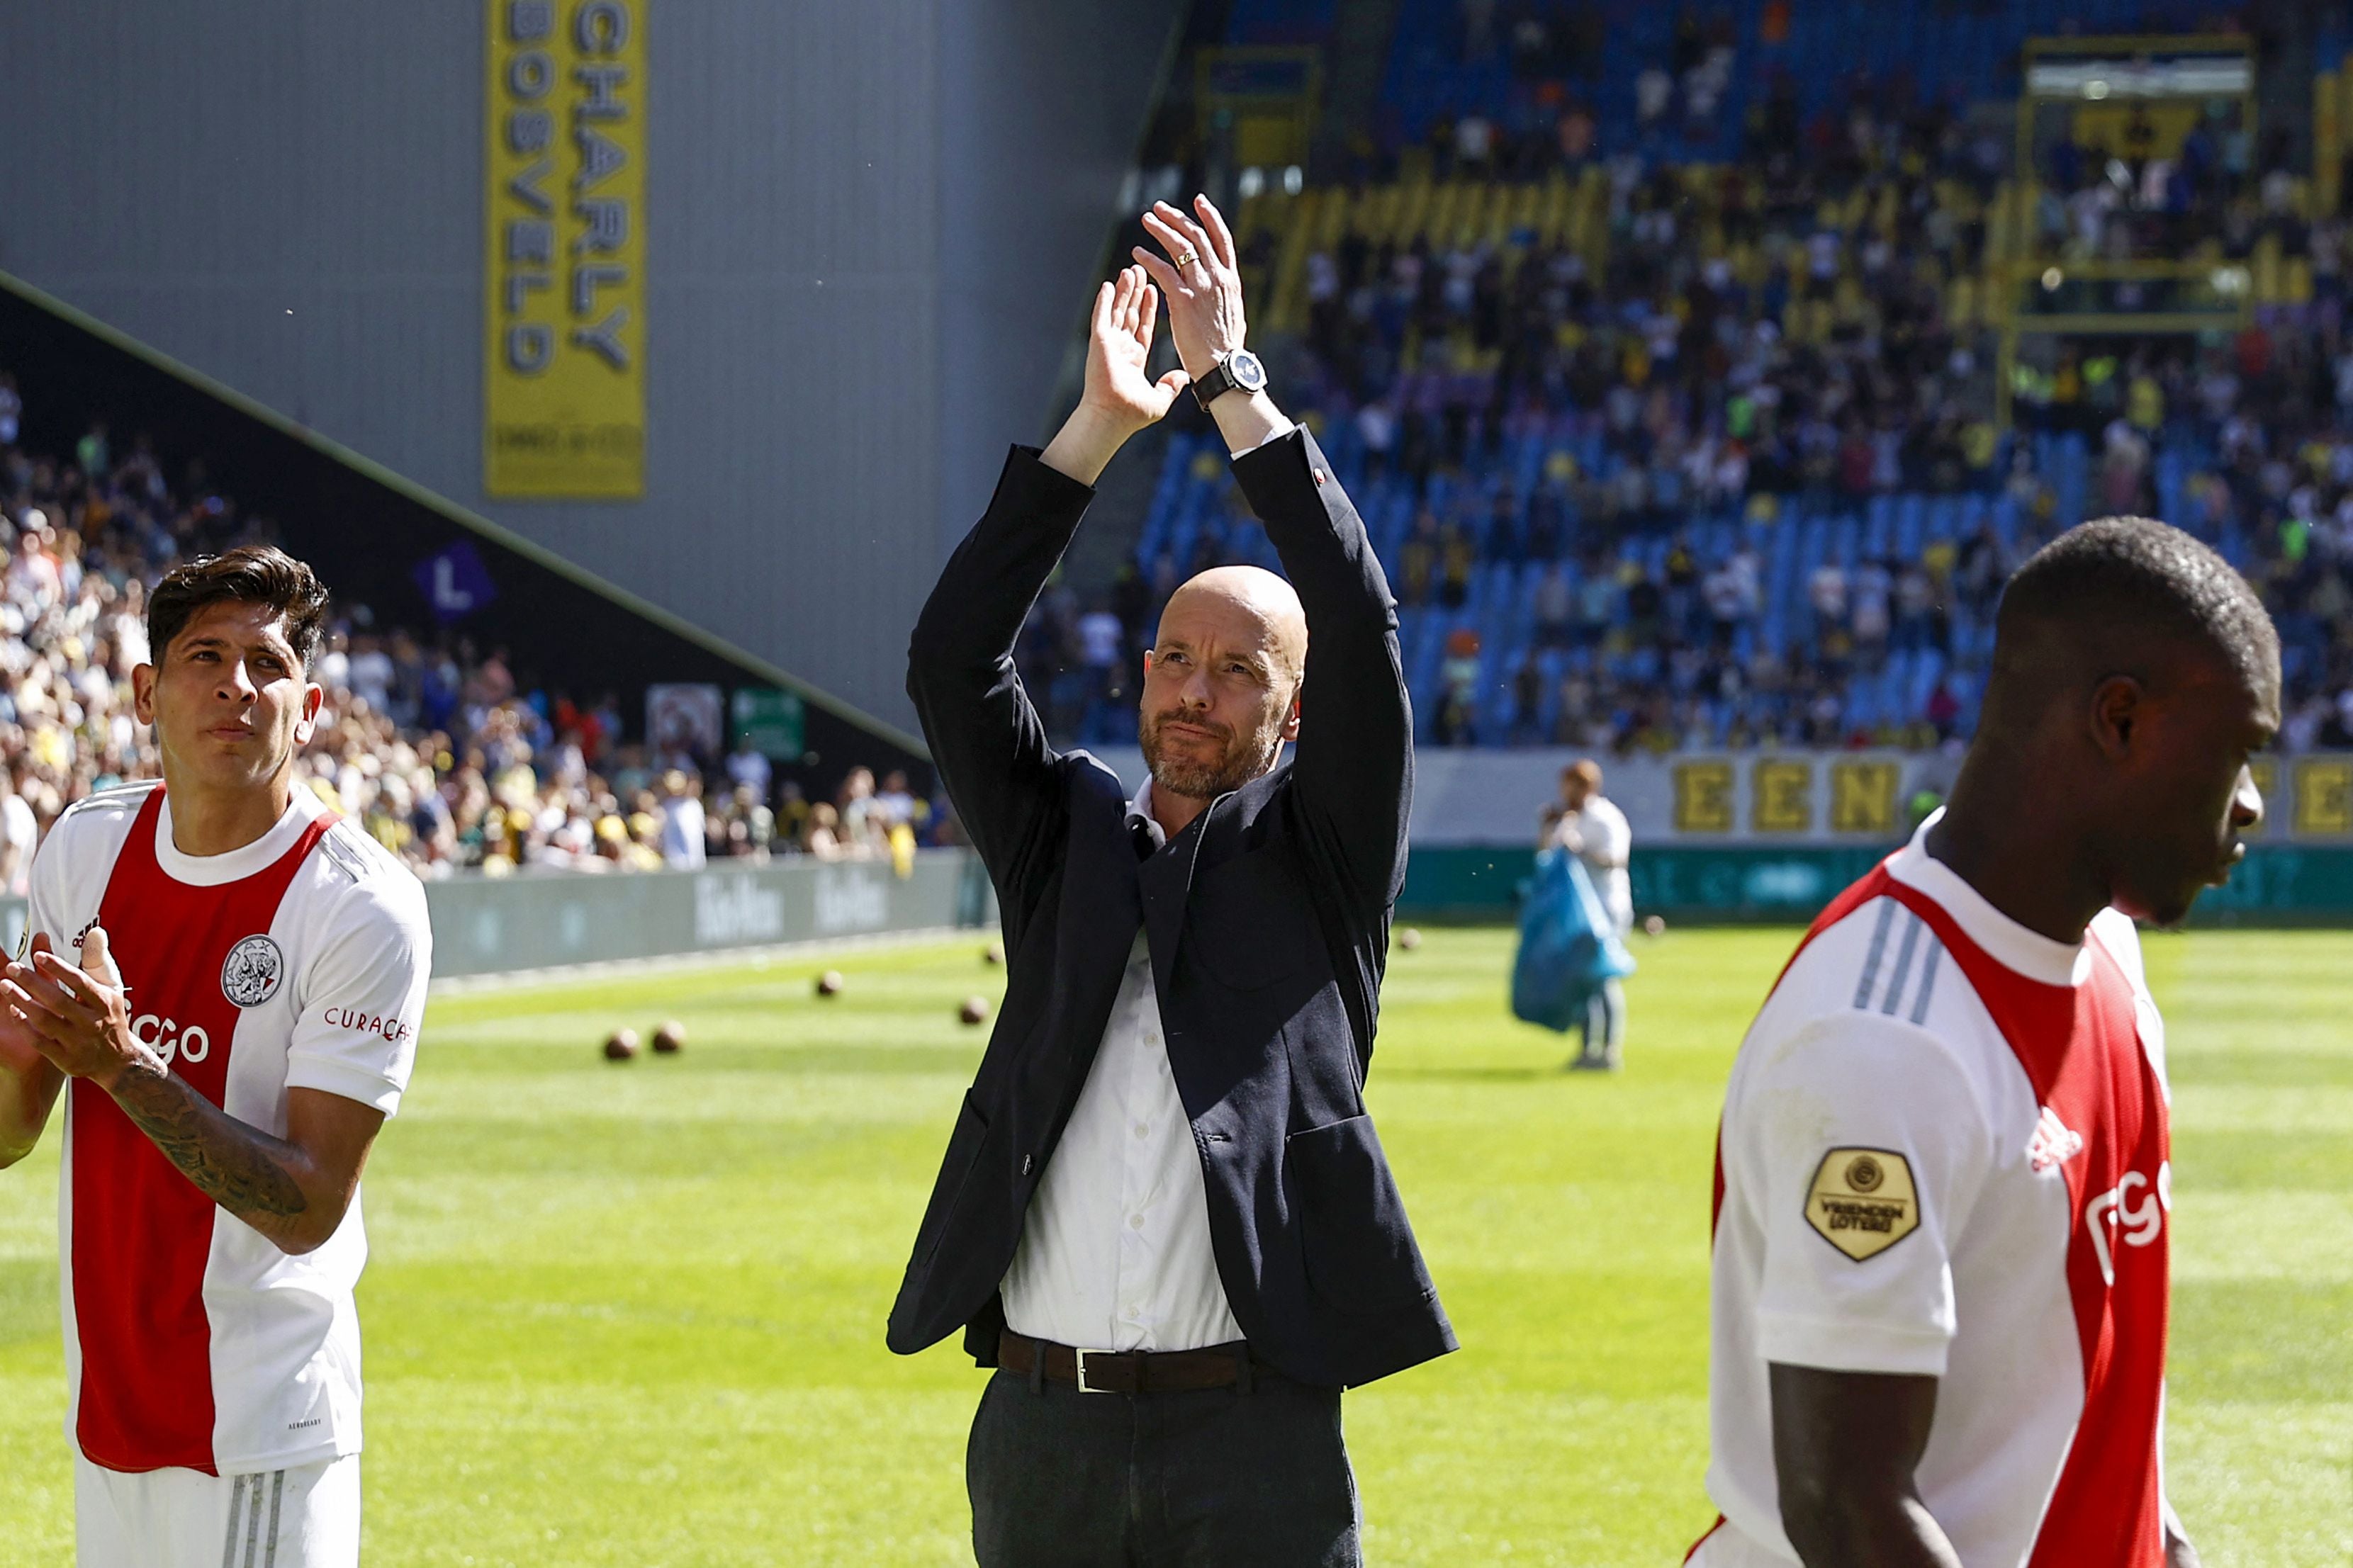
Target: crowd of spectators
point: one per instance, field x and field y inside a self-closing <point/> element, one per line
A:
<point x="439" y="748"/>
<point x="1798" y="333"/>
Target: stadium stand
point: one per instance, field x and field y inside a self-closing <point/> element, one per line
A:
<point x="434" y="745"/>
<point x="1670" y="391"/>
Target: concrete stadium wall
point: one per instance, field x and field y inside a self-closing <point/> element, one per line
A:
<point x="870" y="230"/>
<point x="500" y="925"/>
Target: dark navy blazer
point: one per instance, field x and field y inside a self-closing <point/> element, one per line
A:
<point x="1267" y="921"/>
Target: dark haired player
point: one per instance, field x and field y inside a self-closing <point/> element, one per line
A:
<point x="230" y="979"/>
<point x="1943" y="1185"/>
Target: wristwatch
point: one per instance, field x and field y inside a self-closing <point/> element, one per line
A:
<point x="1237" y="371"/>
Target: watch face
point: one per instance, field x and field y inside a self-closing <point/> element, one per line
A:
<point x="1248" y="374"/>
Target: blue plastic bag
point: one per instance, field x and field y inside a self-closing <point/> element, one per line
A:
<point x="1568" y="944"/>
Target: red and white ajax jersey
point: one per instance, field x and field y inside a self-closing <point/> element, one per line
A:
<point x="1944" y="1153"/>
<point x="297" y="962"/>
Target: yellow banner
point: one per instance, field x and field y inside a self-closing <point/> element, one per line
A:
<point x="563" y="402"/>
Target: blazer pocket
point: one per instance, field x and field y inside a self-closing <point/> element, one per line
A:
<point x="1353" y="1233"/>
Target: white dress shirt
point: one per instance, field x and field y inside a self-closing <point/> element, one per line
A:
<point x="1116" y="1253"/>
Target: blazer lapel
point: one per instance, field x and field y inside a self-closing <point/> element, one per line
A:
<point x="1165" y="880"/>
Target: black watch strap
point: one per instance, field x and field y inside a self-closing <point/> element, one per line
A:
<point x="1215" y="384"/>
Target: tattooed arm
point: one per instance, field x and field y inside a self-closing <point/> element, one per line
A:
<point x="294" y="1190"/>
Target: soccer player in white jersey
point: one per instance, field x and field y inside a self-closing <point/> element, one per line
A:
<point x="225" y="982"/>
<point x="1940" y="1265"/>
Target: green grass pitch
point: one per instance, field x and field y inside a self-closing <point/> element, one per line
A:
<point x="632" y="1314"/>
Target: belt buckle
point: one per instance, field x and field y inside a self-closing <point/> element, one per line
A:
<point x="1080" y="1356"/>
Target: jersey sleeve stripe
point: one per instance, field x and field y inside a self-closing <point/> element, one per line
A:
<point x="1903" y="963"/>
<point x="1871" y="959"/>
<point x="1927" y="981"/>
<point x="353" y="852"/>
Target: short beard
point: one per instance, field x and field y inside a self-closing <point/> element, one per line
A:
<point x="1238" y="764"/>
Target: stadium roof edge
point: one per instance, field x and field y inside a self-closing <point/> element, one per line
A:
<point x="465" y="517"/>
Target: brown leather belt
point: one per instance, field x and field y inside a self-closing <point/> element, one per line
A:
<point x="1128" y="1372"/>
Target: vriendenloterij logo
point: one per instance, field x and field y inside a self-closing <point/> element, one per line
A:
<point x="252" y="972"/>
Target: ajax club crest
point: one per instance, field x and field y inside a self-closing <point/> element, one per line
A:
<point x="253" y="972"/>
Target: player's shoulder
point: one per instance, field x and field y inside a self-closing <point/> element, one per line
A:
<point x="1871" y="1010"/>
<point x="1878" y="960"/>
<point x="103" y="812"/>
<point x="363" y="880"/>
<point x="87" y="835"/>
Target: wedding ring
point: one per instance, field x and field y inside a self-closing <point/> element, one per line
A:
<point x="1185" y="261"/>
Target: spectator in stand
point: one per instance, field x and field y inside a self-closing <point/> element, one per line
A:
<point x="825" y="841"/>
<point x="865" y="830"/>
<point x="749" y="768"/>
<point x="682" y="826"/>
<point x="1103" y="650"/>
<point x="792" y="817"/>
<point x="1556" y="606"/>
<point x="897" y="803"/>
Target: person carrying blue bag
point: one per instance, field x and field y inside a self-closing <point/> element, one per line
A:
<point x="1578" y="909"/>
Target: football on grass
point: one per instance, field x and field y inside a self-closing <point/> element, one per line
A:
<point x="620" y="1044"/>
<point x="669" y="1039"/>
<point x="829" y="983"/>
<point x="975" y="1009"/>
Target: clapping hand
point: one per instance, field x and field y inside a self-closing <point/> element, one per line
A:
<point x="1119" y="347"/>
<point x="77" y="1018"/>
<point x="1201" y="278"/>
<point x="1120" y="397"/>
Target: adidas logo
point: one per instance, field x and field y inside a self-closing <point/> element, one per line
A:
<point x="2052" y="1143"/>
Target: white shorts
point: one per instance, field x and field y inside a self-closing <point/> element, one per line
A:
<point x="305" y="1517"/>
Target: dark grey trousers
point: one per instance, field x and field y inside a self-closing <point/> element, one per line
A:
<point x="1218" y="1479"/>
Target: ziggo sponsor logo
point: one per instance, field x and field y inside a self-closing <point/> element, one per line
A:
<point x="2135" y="1224"/>
<point x="169" y="1041"/>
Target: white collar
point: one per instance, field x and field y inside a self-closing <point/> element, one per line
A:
<point x="2011" y="944"/>
<point x="212" y="870"/>
<point x="1139" y="809"/>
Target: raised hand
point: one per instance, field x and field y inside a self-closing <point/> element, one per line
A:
<point x="1119" y="348"/>
<point x="1200" y="277"/>
<point x="1120" y="399"/>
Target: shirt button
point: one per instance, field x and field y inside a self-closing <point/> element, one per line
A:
<point x="1142" y="1131"/>
<point x="1135" y="1221"/>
